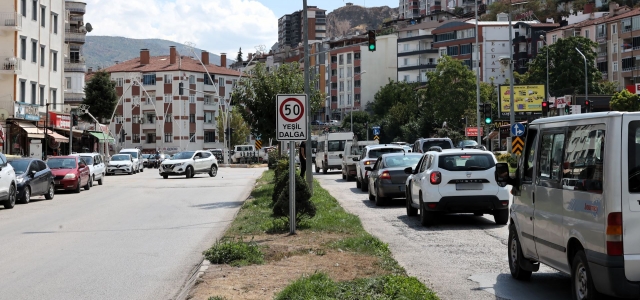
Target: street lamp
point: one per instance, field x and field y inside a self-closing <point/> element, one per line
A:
<point x="586" y="95"/>
<point x="545" y="42"/>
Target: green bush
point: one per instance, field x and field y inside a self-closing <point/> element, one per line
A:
<point x="273" y="158"/>
<point x="282" y="165"/>
<point x="304" y="207"/>
<point x="234" y="252"/>
<point x="281" y="184"/>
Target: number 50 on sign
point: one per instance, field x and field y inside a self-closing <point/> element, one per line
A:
<point x="292" y="117"/>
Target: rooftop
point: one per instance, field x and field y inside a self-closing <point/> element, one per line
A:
<point x="161" y="64"/>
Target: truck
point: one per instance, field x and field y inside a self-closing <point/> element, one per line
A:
<point x="247" y="154"/>
<point x="353" y="150"/>
<point x="330" y="147"/>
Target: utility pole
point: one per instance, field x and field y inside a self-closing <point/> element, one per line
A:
<point x="307" y="149"/>
<point x="512" y="117"/>
<point x="479" y="136"/>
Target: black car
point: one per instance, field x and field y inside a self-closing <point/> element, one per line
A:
<point x="387" y="177"/>
<point x="33" y="178"/>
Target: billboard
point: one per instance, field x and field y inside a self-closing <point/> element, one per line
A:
<point x="527" y="99"/>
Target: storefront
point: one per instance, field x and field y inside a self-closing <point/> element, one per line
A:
<point x="58" y="143"/>
<point x="23" y="137"/>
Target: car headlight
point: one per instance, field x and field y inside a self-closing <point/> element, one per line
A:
<point x="20" y="179"/>
<point x="70" y="176"/>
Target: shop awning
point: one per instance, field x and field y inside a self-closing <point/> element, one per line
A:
<point x="58" y="137"/>
<point x="31" y="130"/>
<point x="102" y="137"/>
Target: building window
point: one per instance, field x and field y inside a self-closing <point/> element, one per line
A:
<point x="348" y="58"/>
<point x="356" y="56"/>
<point x="23" y="48"/>
<point x="452" y="50"/>
<point x="34" y="92"/>
<point x="192" y="137"/>
<point x="136" y="119"/>
<point x="136" y="138"/>
<point x="208" y="117"/>
<point x="168" y="137"/>
<point x="192" y="98"/>
<point x="349" y="85"/>
<point x="42" y="51"/>
<point x="209" y="136"/>
<point x="119" y="119"/>
<point x="554" y="38"/>
<point x="349" y="72"/>
<point x="529" y="48"/>
<point x="614" y="28"/>
<point x="34" y="10"/>
<point x="586" y="33"/>
<point x="207" y="100"/>
<point x="54" y="98"/>
<point x="42" y="95"/>
<point x="356" y="70"/>
<point x="406" y="62"/>
<point x="406" y="78"/>
<point x="119" y="81"/>
<point x="192" y="79"/>
<point x="149" y="79"/>
<point x="54" y="22"/>
<point x="341" y="73"/>
<point x="167" y="98"/>
<point x="342" y="86"/>
<point x="341" y="103"/>
<point x="168" y="118"/>
<point x="68" y="81"/>
<point x="615" y="48"/>
<point x="34" y="51"/>
<point x="615" y="66"/>
<point x="206" y="80"/>
<point x="43" y="11"/>
<point x="357" y="98"/>
<point x="465" y="49"/>
<point x="168" y="78"/>
<point x="23" y="91"/>
<point x="192" y="118"/>
<point x="151" y="118"/>
<point x="23" y="5"/>
<point x="334" y="85"/>
<point x="357" y="83"/>
<point x="349" y="99"/>
<point x="334" y="72"/>
<point x="151" y="138"/>
<point x="221" y="82"/>
<point x="626" y="25"/>
<point x="341" y="59"/>
<point x="54" y="60"/>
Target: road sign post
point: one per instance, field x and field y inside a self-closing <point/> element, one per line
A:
<point x="292" y="126"/>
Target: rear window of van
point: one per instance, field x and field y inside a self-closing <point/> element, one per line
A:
<point x="466" y="162"/>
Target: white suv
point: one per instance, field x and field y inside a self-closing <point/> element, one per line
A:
<point x="456" y="181"/>
<point x="7" y="183"/>
<point x="96" y="165"/>
<point x="189" y="163"/>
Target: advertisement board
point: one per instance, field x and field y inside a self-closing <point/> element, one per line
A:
<point x="527" y="99"/>
<point x="473" y="131"/>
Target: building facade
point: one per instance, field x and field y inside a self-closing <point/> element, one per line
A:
<point x="153" y="116"/>
<point x="291" y="27"/>
<point x="74" y="62"/>
<point x="416" y="54"/>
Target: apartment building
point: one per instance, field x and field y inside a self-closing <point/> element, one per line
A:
<point x="31" y="71"/>
<point x="527" y="42"/>
<point x="291" y="27"/>
<point x="154" y="117"/>
<point x="74" y="62"/>
<point x="416" y="53"/>
<point x="411" y="9"/>
<point x="344" y="70"/>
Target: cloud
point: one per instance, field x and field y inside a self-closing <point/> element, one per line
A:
<point x="213" y="25"/>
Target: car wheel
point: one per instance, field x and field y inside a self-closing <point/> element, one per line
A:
<point x="364" y="186"/>
<point x="88" y="185"/>
<point x="371" y="197"/>
<point x="27" y="195"/>
<point x="78" y="187"/>
<point x="11" y="202"/>
<point x="344" y="177"/>
<point x="131" y="173"/>
<point x="165" y="176"/>
<point x="427" y="218"/>
<point x="411" y="211"/>
<point x="213" y="171"/>
<point x="358" y="183"/>
<point x="515" y="255"/>
<point x="380" y="201"/>
<point x="501" y="216"/>
<point x="324" y="170"/>
<point x="142" y="170"/>
<point x="582" y="287"/>
<point x="93" y="177"/>
<point x="101" y="179"/>
<point x="50" y="192"/>
<point x="189" y="172"/>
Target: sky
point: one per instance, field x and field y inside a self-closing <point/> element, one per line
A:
<point x="218" y="26"/>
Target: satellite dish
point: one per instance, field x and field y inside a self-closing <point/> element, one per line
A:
<point x="4" y="114"/>
<point x="89" y="27"/>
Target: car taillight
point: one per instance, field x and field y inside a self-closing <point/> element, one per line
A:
<point x="614" y="234"/>
<point x="385" y="175"/>
<point x="435" y="177"/>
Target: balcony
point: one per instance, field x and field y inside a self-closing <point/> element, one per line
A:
<point x="74" y="36"/>
<point x="10" y="21"/>
<point x="76" y="7"/>
<point x="70" y="98"/>
<point x="76" y="18"/>
<point x="10" y="65"/>
<point x="74" y="65"/>
<point x="419" y="65"/>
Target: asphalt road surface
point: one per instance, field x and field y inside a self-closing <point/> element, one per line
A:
<point x="135" y="237"/>
<point x="463" y="257"/>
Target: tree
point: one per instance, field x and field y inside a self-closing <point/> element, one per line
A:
<point x="566" y="67"/>
<point x="360" y="121"/>
<point x="240" y="128"/>
<point x="257" y="95"/>
<point x="395" y="107"/>
<point x="608" y="87"/>
<point x="100" y="96"/>
<point x="239" y="57"/>
<point x="391" y="94"/>
<point x="625" y="101"/>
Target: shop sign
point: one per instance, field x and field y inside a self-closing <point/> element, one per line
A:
<point x="27" y="111"/>
<point x="59" y="121"/>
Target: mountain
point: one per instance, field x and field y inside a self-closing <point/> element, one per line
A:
<point x="104" y="51"/>
<point x="350" y="19"/>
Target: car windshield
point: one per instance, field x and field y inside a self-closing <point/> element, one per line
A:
<point x="20" y="166"/>
<point x="88" y="159"/>
<point x="442" y="144"/>
<point x="146" y="155"/>
<point x="375" y="153"/>
<point x="401" y="161"/>
<point x="133" y="154"/>
<point x="61" y="163"/>
<point x="466" y="162"/>
<point x="120" y="158"/>
<point x="336" y="145"/>
<point x="184" y="155"/>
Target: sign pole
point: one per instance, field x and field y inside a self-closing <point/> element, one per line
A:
<point x="307" y="149"/>
<point x="292" y="187"/>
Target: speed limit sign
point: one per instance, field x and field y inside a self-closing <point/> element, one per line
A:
<point x="292" y="117"/>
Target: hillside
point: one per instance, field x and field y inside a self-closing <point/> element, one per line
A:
<point x="351" y="18"/>
<point x="103" y="51"/>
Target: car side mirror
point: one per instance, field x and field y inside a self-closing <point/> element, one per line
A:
<point x="408" y="170"/>
<point x="368" y="168"/>
<point x="32" y="173"/>
<point x="340" y="155"/>
<point x="502" y="173"/>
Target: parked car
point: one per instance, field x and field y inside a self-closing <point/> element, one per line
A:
<point x="70" y="173"/>
<point x="136" y="154"/>
<point x="456" y="181"/>
<point x="96" y="166"/>
<point x="145" y="160"/>
<point x="387" y="177"/>
<point x="368" y="157"/>
<point x="120" y="164"/>
<point x="190" y="163"/>
<point x="8" y="189"/>
<point x="33" y="178"/>
<point x="588" y="230"/>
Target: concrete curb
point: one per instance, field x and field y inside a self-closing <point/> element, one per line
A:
<point x="243" y="166"/>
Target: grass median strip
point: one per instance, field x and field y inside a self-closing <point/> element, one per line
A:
<point x="330" y="257"/>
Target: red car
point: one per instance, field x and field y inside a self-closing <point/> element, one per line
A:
<point x="69" y="173"/>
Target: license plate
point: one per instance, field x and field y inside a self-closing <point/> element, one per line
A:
<point x="468" y="186"/>
<point x="56" y="182"/>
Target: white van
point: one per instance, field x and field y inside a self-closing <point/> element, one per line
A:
<point x="136" y="154"/>
<point x="576" y="204"/>
<point x="330" y="146"/>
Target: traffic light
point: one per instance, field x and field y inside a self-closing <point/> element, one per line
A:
<point x="587" y="106"/>
<point x="372" y="40"/>
<point x="180" y="88"/>
<point x="464" y="121"/>
<point x="545" y="109"/>
<point x="74" y="119"/>
<point x="487" y="113"/>
<point x="567" y="109"/>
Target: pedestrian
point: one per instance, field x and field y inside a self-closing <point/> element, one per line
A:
<point x="303" y="159"/>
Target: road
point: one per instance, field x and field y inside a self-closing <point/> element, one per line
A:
<point x="464" y="257"/>
<point x="135" y="237"/>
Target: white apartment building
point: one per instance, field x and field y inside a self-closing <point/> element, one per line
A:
<point x="154" y="117"/>
<point x="74" y="62"/>
<point x="409" y="9"/>
<point x="378" y="67"/>
<point x="416" y="54"/>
